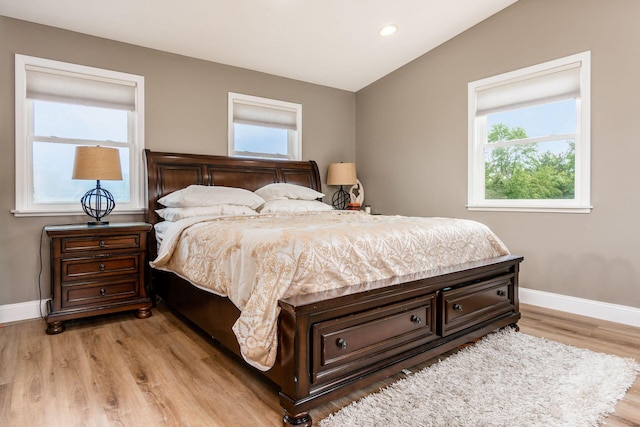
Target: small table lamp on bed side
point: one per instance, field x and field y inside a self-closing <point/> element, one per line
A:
<point x="97" y="163"/>
<point x="341" y="174"/>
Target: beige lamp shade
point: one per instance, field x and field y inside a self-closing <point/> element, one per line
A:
<point x="341" y="174"/>
<point x="97" y="163"/>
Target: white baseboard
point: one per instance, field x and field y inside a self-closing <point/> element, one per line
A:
<point x="22" y="311"/>
<point x="584" y="307"/>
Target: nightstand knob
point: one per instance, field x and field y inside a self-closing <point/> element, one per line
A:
<point x="101" y="267"/>
<point x="103" y="292"/>
<point x="102" y="244"/>
<point x="457" y="307"/>
<point x="501" y="293"/>
<point x="416" y="319"/>
<point x="342" y="343"/>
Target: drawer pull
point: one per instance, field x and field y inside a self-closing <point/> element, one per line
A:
<point x="103" y="292"/>
<point x="457" y="307"/>
<point x="501" y="293"/>
<point x="102" y="244"/>
<point x="416" y="319"/>
<point x="101" y="267"/>
<point x="342" y="343"/>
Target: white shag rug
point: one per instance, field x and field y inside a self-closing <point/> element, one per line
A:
<point x="506" y="379"/>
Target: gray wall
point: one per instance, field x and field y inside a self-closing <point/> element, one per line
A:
<point x="186" y="111"/>
<point x="412" y="141"/>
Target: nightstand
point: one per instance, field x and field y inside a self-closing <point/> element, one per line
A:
<point x="97" y="270"/>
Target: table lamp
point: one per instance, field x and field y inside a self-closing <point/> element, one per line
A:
<point x="99" y="163"/>
<point x="341" y="174"/>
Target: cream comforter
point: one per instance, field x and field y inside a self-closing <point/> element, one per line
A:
<point x="257" y="260"/>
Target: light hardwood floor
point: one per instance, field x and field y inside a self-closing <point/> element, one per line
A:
<point x="121" y="371"/>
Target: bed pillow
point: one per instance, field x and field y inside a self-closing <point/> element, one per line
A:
<point x="294" y="206"/>
<point x="284" y="191"/>
<point x="176" y="214"/>
<point x="210" y="195"/>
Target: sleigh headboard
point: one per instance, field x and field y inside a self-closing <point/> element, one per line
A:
<point x="168" y="172"/>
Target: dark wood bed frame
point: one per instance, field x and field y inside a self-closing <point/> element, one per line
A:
<point x="333" y="342"/>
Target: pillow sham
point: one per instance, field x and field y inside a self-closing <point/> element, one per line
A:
<point x="211" y="195"/>
<point x="283" y="190"/>
<point x="176" y="214"/>
<point x="294" y="206"/>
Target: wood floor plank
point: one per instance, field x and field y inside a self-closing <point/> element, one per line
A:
<point x="78" y="404"/>
<point x="121" y="371"/>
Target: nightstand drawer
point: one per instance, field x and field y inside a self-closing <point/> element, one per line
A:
<point x="86" y="268"/>
<point x="75" y="244"/>
<point x="98" y="293"/>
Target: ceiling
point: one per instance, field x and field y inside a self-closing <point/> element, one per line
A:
<point x="328" y="42"/>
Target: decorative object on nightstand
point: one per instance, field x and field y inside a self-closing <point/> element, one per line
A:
<point x="99" y="163"/>
<point x="97" y="270"/>
<point x="356" y="193"/>
<point x="341" y="174"/>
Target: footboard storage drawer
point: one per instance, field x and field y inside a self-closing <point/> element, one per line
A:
<point x="470" y="305"/>
<point x="352" y="342"/>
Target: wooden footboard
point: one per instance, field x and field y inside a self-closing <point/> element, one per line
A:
<point x="336" y="343"/>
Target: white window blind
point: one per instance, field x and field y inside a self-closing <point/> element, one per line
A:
<point x="547" y="86"/>
<point x="264" y="115"/>
<point x="75" y="88"/>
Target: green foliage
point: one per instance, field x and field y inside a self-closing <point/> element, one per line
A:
<point x="502" y="132"/>
<point x="522" y="172"/>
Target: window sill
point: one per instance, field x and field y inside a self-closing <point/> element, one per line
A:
<point x="549" y="209"/>
<point x="40" y="213"/>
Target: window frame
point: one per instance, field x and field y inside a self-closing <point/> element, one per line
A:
<point x="294" y="137"/>
<point x="24" y="139"/>
<point x="478" y="134"/>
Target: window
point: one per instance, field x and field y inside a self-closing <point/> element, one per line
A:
<point x="60" y="106"/>
<point x="264" y="128"/>
<point x="529" y="138"/>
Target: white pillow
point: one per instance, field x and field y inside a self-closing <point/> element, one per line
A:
<point x="279" y="191"/>
<point x="294" y="206"/>
<point x="176" y="214"/>
<point x="210" y="195"/>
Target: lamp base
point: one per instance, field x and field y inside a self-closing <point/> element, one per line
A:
<point x="340" y="199"/>
<point x="97" y="203"/>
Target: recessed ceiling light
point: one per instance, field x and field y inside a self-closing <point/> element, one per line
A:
<point x="387" y="30"/>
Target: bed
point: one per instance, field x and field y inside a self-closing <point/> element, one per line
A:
<point x="336" y="340"/>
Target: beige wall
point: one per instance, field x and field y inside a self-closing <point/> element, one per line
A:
<point x="186" y="111"/>
<point x="412" y="141"/>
